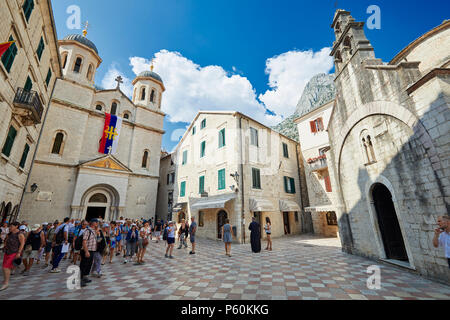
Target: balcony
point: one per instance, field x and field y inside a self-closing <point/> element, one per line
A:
<point x="28" y="106"/>
<point x="318" y="164"/>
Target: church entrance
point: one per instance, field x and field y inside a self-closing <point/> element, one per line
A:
<point x="97" y="206"/>
<point x="391" y="234"/>
<point x="221" y="217"/>
<point x="95" y="212"/>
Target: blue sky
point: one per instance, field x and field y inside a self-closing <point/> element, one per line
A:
<point x="238" y="38"/>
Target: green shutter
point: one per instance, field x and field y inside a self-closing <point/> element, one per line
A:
<point x="23" y="160"/>
<point x="286" y="188"/>
<point x="221" y="138"/>
<point x="292" y="185"/>
<point x="183" y="189"/>
<point x="184" y="157"/>
<point x="49" y="76"/>
<point x="202" y="149"/>
<point x="28" y="7"/>
<point x="203" y="124"/>
<point x="9" y="56"/>
<point x="9" y="141"/>
<point x="285" y="150"/>
<point x="221" y="176"/>
<point x="40" y="48"/>
<point x="256" y="178"/>
<point x="28" y="84"/>
<point x="201" y="184"/>
<point x="193" y="130"/>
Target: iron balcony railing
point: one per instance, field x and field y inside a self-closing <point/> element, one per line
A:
<point x="30" y="105"/>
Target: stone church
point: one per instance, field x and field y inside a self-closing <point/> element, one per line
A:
<point x="69" y="176"/>
<point x="390" y="147"/>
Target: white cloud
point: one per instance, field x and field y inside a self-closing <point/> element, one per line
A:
<point x="190" y="87"/>
<point x="108" y="81"/>
<point x="288" y="75"/>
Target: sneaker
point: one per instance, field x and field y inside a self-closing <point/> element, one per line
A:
<point x="179" y="248"/>
<point x="170" y="257"/>
<point x="166" y="255"/>
<point x="117" y="254"/>
<point x="57" y="270"/>
<point x="191" y="252"/>
<point x="125" y="261"/>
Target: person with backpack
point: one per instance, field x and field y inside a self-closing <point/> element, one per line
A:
<point x="88" y="250"/>
<point x="98" y="255"/>
<point x="131" y="239"/>
<point x="78" y="240"/>
<point x="36" y="241"/>
<point x="50" y="237"/>
<point x="125" y="230"/>
<point x="61" y="238"/>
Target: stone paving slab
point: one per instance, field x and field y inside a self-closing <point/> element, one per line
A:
<point x="299" y="268"/>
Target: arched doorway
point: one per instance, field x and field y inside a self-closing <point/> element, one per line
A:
<point x="221" y="217"/>
<point x="97" y="206"/>
<point x="391" y="234"/>
<point x="6" y="212"/>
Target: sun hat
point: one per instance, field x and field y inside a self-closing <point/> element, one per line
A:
<point x="35" y="227"/>
<point x="22" y="227"/>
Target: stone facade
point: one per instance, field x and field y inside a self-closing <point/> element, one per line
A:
<point x="314" y="141"/>
<point x="29" y="26"/>
<point x="76" y="180"/>
<point x="237" y="197"/>
<point x="390" y="147"/>
<point x="167" y="191"/>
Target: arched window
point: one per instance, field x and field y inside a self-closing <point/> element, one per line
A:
<point x="348" y="44"/>
<point x="143" y="94"/>
<point x="77" y="66"/>
<point x="337" y="57"/>
<point x="57" y="144"/>
<point x="338" y="27"/>
<point x="64" y="59"/>
<point x="369" y="151"/>
<point x="114" y="108"/>
<point x="98" y="107"/>
<point x="126" y="115"/>
<point x="98" y="198"/>
<point x="145" y="159"/>
<point x="152" y="96"/>
<point x="89" y="72"/>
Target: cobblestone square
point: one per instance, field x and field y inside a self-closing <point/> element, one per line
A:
<point x="298" y="268"/>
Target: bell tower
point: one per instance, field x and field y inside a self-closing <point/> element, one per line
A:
<point x="148" y="89"/>
<point x="351" y="42"/>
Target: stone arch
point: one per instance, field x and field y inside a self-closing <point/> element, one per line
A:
<point x="396" y="111"/>
<point x="370" y="184"/>
<point x="59" y="141"/>
<point x="111" y="205"/>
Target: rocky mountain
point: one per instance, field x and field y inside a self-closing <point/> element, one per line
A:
<point x="319" y="90"/>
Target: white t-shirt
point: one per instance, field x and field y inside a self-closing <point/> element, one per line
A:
<point x="147" y="232"/>
<point x="4" y="232"/>
<point x="444" y="241"/>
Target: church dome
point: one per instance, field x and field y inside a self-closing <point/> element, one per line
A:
<point x="83" y="40"/>
<point x="150" y="74"/>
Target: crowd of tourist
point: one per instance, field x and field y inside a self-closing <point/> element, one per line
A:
<point x="89" y="244"/>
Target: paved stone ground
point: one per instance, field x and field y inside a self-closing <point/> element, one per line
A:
<point x="300" y="267"/>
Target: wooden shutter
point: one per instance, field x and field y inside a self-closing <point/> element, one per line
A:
<point x="201" y="184"/>
<point x="327" y="183"/>
<point x="28" y="84"/>
<point x="183" y="189"/>
<point x="9" y="141"/>
<point x="24" y="156"/>
<point x="313" y="126"/>
<point x="292" y="181"/>
<point x="286" y="188"/>
<point x="221" y="179"/>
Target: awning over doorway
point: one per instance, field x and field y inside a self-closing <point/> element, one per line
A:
<point x="256" y="205"/>
<point x="179" y="206"/>
<point x="289" y="205"/>
<point x="320" y="209"/>
<point x="213" y="202"/>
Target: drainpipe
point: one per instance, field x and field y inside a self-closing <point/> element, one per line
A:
<point x="36" y="149"/>
<point x="241" y="165"/>
<point x="304" y="199"/>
